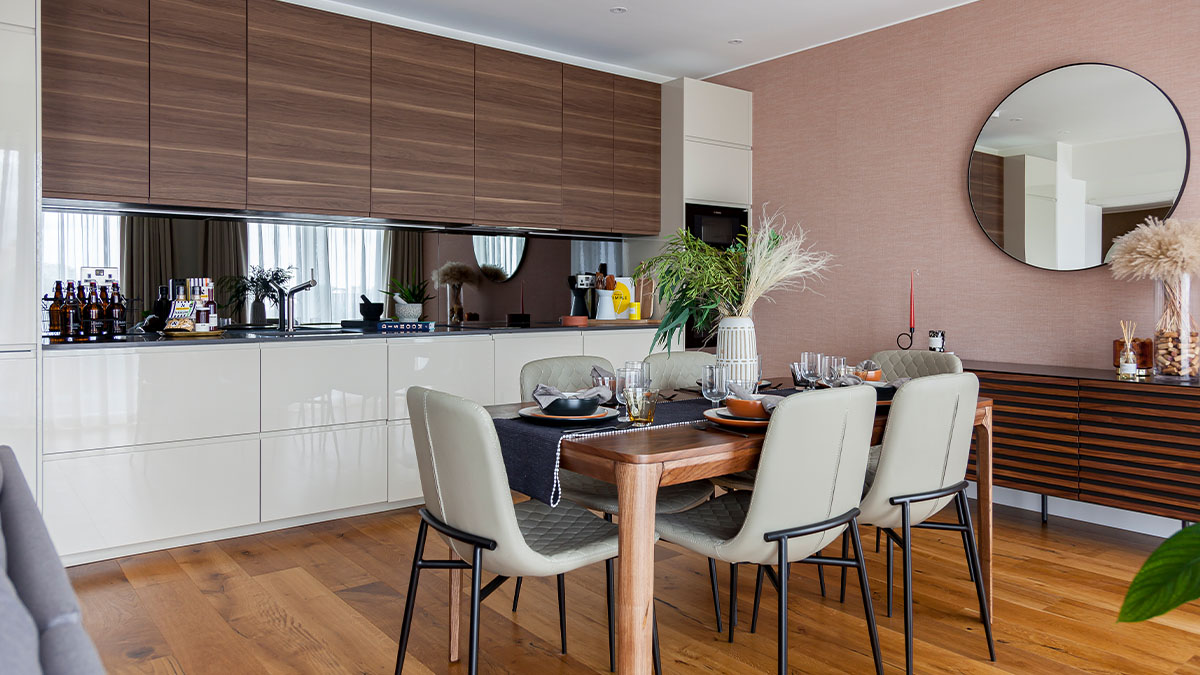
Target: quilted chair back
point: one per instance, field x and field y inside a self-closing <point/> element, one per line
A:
<point x="897" y="363"/>
<point x="565" y="373"/>
<point x="678" y="368"/>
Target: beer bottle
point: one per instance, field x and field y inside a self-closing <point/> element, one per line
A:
<point x="72" y="314"/>
<point x="116" y="312"/>
<point x="93" y="316"/>
<point x="56" y="310"/>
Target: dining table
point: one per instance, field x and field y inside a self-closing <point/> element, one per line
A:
<point x="640" y="463"/>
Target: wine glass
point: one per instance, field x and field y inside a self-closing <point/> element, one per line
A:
<point x="715" y="384"/>
<point x="626" y="378"/>
<point x="810" y="368"/>
<point x="758" y="378"/>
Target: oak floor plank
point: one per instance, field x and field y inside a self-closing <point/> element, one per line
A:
<point x="121" y="626"/>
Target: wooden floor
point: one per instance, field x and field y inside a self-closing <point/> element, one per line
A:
<point x="328" y="598"/>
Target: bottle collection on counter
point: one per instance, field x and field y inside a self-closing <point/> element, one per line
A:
<point x="91" y="310"/>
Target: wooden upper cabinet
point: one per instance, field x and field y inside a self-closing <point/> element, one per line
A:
<point x="198" y="102"/>
<point x="308" y="110"/>
<point x="422" y="126"/>
<point x="95" y="100"/>
<point x="637" y="152"/>
<point x="587" y="170"/>
<point x="518" y="139"/>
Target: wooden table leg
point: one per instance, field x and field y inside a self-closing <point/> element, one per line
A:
<point x="983" y="469"/>
<point x="455" y="607"/>
<point x="637" y="492"/>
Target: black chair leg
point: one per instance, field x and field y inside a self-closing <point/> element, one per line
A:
<point x="409" y="602"/>
<point x="733" y="574"/>
<point x="612" y="606"/>
<point x="908" y="594"/>
<point x="517" y="594"/>
<point x="973" y="558"/>
<point x="820" y="574"/>
<point x="562" y="610"/>
<point x="476" y="572"/>
<point x="656" y="650"/>
<point x="891" y="576"/>
<point x="865" y="588"/>
<point x="962" y="520"/>
<point x="845" y="555"/>
<point x="757" y="596"/>
<point x="712" y="578"/>
<point x="783" y="606"/>
<point x="878" y="530"/>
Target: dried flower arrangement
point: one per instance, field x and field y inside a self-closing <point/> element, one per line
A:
<point x="454" y="272"/>
<point x="1168" y="252"/>
<point x="493" y="273"/>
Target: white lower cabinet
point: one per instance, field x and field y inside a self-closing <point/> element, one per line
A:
<point x="311" y="385"/>
<point x="460" y="365"/>
<point x="320" y="471"/>
<point x="404" y="480"/>
<point x="129" y="497"/>
<point x="18" y="410"/>
<point x="514" y="350"/>
<point x="619" y="346"/>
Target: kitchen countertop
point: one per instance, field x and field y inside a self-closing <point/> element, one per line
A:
<point x="269" y="336"/>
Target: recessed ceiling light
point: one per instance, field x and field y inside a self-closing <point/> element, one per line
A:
<point x="618" y="9"/>
<point x="735" y="41"/>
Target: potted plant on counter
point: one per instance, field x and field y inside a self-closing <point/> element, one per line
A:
<point x="717" y="288"/>
<point x="259" y="284"/>
<point x="409" y="298"/>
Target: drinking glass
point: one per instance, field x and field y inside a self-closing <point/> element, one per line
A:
<point x="832" y="371"/>
<point x="757" y="370"/>
<point x="627" y="378"/>
<point x="715" y="384"/>
<point x="610" y="382"/>
<point x="644" y="367"/>
<point x="810" y="367"/>
<point x="641" y="402"/>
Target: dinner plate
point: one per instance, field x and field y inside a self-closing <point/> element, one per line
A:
<point x="726" y="419"/>
<point x="535" y="414"/>
<point x="725" y="414"/>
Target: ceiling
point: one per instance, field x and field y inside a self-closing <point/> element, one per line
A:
<point x="653" y="39"/>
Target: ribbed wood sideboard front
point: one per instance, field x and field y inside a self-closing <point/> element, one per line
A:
<point x="1082" y="434"/>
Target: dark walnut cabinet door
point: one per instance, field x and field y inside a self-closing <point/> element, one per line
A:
<point x="308" y="110"/>
<point x="638" y="139"/>
<point x="198" y="102"/>
<point x="95" y="100"/>
<point x="587" y="172"/>
<point x="422" y="126"/>
<point x="518" y="139"/>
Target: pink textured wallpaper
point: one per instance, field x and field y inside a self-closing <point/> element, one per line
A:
<point x="865" y="143"/>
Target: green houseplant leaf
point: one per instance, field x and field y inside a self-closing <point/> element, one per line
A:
<point x="1169" y="578"/>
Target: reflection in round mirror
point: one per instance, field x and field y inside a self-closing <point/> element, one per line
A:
<point x="498" y="256"/>
<point x="1073" y="158"/>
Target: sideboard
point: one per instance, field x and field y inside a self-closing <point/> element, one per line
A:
<point x="1082" y="434"/>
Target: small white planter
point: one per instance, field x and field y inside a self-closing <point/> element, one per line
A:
<point x="737" y="348"/>
<point x="409" y="311"/>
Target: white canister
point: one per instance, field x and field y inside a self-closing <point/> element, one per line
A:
<point x="622" y="296"/>
<point x="604" y="305"/>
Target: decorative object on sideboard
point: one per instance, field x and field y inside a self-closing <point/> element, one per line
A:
<point x="937" y="340"/>
<point x="905" y="340"/>
<point x="408" y="299"/>
<point x="520" y="319"/>
<point x="454" y="275"/>
<point x="1143" y="352"/>
<point x="259" y="283"/>
<point x="1127" y="370"/>
<point x="1167" y="252"/>
<point x="699" y="282"/>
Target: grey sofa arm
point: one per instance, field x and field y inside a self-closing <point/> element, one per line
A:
<point x="39" y="614"/>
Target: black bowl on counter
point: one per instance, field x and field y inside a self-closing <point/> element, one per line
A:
<point x="370" y="311"/>
<point x="572" y="407"/>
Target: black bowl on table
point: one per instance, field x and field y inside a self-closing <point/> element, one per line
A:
<point x="370" y="311"/>
<point x="572" y="407"/>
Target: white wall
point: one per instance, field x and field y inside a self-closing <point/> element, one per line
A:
<point x="1132" y="171"/>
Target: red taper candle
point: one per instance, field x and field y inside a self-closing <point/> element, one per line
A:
<point x="912" y="304"/>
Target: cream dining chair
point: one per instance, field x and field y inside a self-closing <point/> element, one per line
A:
<point x="897" y="363"/>
<point x="921" y="469"/>
<point x="678" y="369"/>
<point x="813" y="461"/>
<point x="467" y="501"/>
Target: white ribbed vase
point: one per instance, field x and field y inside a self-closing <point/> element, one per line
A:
<point x="737" y="348"/>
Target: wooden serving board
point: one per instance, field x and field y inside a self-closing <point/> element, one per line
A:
<point x="592" y="323"/>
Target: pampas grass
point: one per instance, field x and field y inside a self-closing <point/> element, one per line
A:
<point x="455" y="272"/>
<point x="1163" y="250"/>
<point x="778" y="259"/>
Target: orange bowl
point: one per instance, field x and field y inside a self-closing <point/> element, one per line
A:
<point x="746" y="408"/>
<point x="870" y="375"/>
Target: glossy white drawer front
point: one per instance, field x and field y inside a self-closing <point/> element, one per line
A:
<point x="619" y="346"/>
<point x="404" y="480"/>
<point x="515" y="350"/>
<point x="323" y="471"/>
<point x="105" y="398"/>
<point x="323" y="383"/>
<point x="463" y="366"/>
<point x="18" y="409"/>
<point x="102" y="501"/>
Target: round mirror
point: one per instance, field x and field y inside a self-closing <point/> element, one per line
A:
<point x="1073" y="158"/>
<point x="498" y="256"/>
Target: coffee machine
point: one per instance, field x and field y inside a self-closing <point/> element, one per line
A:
<point x="581" y="286"/>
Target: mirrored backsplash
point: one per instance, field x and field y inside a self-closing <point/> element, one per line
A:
<point x="145" y="252"/>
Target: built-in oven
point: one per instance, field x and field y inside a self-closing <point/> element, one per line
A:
<point x="719" y="226"/>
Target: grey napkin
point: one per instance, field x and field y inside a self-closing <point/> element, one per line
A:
<point x="769" y="401"/>
<point x="544" y="394"/>
<point x="597" y="371"/>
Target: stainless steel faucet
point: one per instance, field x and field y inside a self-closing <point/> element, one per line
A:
<point x="287" y="301"/>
